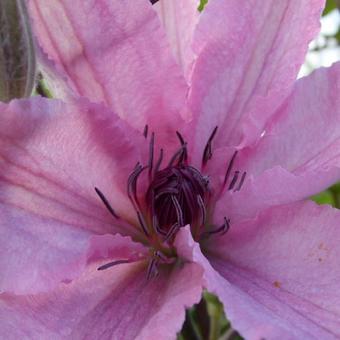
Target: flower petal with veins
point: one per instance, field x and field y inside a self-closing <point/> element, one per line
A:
<point x="248" y="59"/>
<point x="119" y="303"/>
<point x="114" y="52"/>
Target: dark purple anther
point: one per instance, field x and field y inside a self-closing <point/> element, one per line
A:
<point x="230" y="167"/>
<point x="176" y="196"/>
<point x="145" y="132"/>
<point x="234" y="180"/>
<point x="241" y="181"/>
<point x="106" y="203"/>
<point x="207" y="153"/>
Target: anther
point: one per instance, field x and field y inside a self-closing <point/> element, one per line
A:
<point x="179" y="211"/>
<point x="230" y="167"/>
<point x="161" y="256"/>
<point x="207" y="153"/>
<point x="145" y="132"/>
<point x="113" y="263"/>
<point x="220" y="230"/>
<point x="234" y="180"/>
<point x="159" y="161"/>
<point x="181" y="139"/>
<point x="132" y="194"/>
<point x="184" y="155"/>
<point x="156" y="226"/>
<point x="106" y="203"/>
<point x="142" y="222"/>
<point x="202" y="207"/>
<point x="132" y="184"/>
<point x="151" y="152"/>
<point x="152" y="269"/>
<point x="241" y="182"/>
<point x="172" y="231"/>
<point x="167" y="191"/>
<point x="178" y="154"/>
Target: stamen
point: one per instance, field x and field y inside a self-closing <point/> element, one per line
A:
<point x="106" y="203"/>
<point x="159" y="161"/>
<point x="184" y="156"/>
<point x="220" y="230"/>
<point x="207" y="153"/>
<point x="142" y="222"/>
<point x="152" y="269"/>
<point x="167" y="191"/>
<point x="113" y="263"/>
<point x="241" y="182"/>
<point x="234" y="180"/>
<point x="161" y="256"/>
<point x="132" y="194"/>
<point x="132" y="185"/>
<point x="181" y="139"/>
<point x="179" y="211"/>
<point x="145" y="132"/>
<point x="178" y="154"/>
<point x="202" y="207"/>
<point x="151" y="151"/>
<point x="155" y="224"/>
<point x="199" y="176"/>
<point x="153" y="1"/>
<point x="172" y="231"/>
<point x="230" y="166"/>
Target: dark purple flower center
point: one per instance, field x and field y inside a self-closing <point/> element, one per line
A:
<point x="176" y="197"/>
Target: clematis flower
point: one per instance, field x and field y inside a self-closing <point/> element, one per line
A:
<point x="185" y="167"/>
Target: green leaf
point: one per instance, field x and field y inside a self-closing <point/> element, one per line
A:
<point x="330" y="6"/>
<point x="202" y="5"/>
<point x="324" y="197"/>
<point x="330" y="196"/>
<point x="207" y="321"/>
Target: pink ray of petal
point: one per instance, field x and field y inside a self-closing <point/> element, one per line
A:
<point x="179" y="19"/>
<point x="299" y="154"/>
<point x="269" y="285"/>
<point x="53" y="155"/>
<point x="248" y="58"/>
<point x="286" y="261"/>
<point x="273" y="187"/>
<point x="304" y="134"/>
<point x="38" y="253"/>
<point x="118" y="303"/>
<point x="114" y="52"/>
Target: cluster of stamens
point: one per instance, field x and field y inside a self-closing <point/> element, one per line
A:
<point x="178" y="195"/>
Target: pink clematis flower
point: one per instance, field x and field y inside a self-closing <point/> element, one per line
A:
<point x="185" y="168"/>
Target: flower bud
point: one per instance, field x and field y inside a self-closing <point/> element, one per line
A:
<point x="17" y="57"/>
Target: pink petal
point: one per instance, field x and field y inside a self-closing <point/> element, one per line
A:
<point x="284" y="271"/>
<point x="248" y="58"/>
<point x="115" y="52"/>
<point x="179" y="19"/>
<point x="299" y="154"/>
<point x="304" y="134"/>
<point x="53" y="155"/>
<point x="276" y="276"/>
<point x="37" y="253"/>
<point x="118" y="303"/>
<point x="273" y="187"/>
